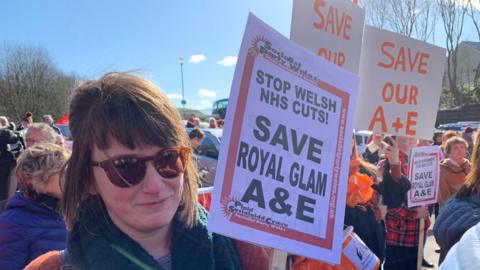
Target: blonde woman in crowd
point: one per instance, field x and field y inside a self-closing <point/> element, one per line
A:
<point x="31" y="223"/>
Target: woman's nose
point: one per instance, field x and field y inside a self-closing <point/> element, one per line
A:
<point x="153" y="181"/>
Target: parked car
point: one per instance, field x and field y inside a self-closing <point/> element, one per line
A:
<point x="459" y="126"/>
<point x="207" y="154"/>
<point x="65" y="130"/>
<point x="451" y="126"/>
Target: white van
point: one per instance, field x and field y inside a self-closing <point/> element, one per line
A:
<point x="361" y="140"/>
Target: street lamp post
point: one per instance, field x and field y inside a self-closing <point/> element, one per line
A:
<point x="183" y="92"/>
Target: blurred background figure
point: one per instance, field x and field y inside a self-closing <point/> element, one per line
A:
<point x="221" y="123"/>
<point x="462" y="211"/>
<point x="7" y="160"/>
<point x="196" y="136"/>
<point x="48" y="119"/>
<point x="362" y="210"/>
<point x="36" y="133"/>
<point x="447" y="135"/>
<point x="212" y="123"/>
<point x="437" y="138"/>
<point x="468" y="137"/>
<point x="25" y="122"/>
<point x="402" y="223"/>
<point x="40" y="133"/>
<point x="465" y="254"/>
<point x="7" y="124"/>
<point x="191" y="121"/>
<point x="3" y="121"/>
<point x="453" y="169"/>
<point x="31" y="224"/>
<point x="14" y="148"/>
<point x="197" y="121"/>
<point x="423" y="142"/>
<point x="374" y="150"/>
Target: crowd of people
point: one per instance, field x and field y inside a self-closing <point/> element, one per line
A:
<point x="125" y="196"/>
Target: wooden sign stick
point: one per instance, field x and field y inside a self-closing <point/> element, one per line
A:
<point x="421" y="236"/>
<point x="277" y="260"/>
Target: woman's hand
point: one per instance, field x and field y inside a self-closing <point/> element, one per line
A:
<point x="392" y="153"/>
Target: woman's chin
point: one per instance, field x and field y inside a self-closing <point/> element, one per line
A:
<point x="156" y="221"/>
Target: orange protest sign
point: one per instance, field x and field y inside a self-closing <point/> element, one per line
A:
<point x="400" y="84"/>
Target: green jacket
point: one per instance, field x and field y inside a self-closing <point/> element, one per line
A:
<point x="99" y="244"/>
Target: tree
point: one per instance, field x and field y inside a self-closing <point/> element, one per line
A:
<point x="453" y="16"/>
<point x="411" y="18"/>
<point x="474" y="14"/>
<point x="29" y="81"/>
<point x="376" y="13"/>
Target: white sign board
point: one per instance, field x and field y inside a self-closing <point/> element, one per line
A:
<point x="332" y="29"/>
<point x="424" y="176"/>
<point x="283" y="168"/>
<point x="400" y="84"/>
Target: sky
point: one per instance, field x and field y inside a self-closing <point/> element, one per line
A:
<point x="91" y="37"/>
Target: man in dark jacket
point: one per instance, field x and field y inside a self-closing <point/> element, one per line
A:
<point x="456" y="217"/>
<point x="7" y="159"/>
<point x="48" y="119"/>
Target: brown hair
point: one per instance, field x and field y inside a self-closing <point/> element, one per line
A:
<point x="134" y="112"/>
<point x="449" y="134"/>
<point x="28" y="117"/>
<point x="196" y="132"/>
<point x="452" y="141"/>
<point x="38" y="163"/>
<point x="472" y="180"/>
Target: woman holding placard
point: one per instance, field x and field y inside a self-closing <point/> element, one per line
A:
<point x="402" y="223"/>
<point x="130" y="185"/>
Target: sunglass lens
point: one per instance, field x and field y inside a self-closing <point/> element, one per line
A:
<point x="169" y="163"/>
<point x="126" y="172"/>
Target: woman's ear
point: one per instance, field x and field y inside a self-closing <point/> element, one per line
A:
<point x="39" y="185"/>
<point x="46" y="178"/>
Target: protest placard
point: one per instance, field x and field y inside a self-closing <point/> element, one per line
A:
<point x="400" y="84"/>
<point x="283" y="166"/>
<point x="332" y="29"/>
<point x="424" y="175"/>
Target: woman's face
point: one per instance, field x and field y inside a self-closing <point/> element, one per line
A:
<point x="196" y="142"/>
<point x="458" y="151"/>
<point x="53" y="186"/>
<point x="145" y="207"/>
<point x="377" y="137"/>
